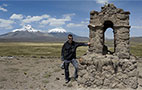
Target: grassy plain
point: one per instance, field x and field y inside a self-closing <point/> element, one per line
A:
<point x="34" y="49"/>
<point x="51" y="49"/>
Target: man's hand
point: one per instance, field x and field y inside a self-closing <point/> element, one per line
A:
<point x="62" y="65"/>
<point x="88" y="43"/>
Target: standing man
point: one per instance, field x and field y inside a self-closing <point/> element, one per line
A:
<point x="68" y="55"/>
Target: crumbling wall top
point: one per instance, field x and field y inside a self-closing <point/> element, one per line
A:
<point x="109" y="12"/>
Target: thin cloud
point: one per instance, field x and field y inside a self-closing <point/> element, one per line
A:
<point x="2" y="7"/>
<point x="16" y="16"/>
<point x="82" y="24"/>
<point x="70" y="25"/>
<point x="67" y="17"/>
<point x="5" y="5"/>
<point x="31" y="19"/>
<point x="54" y="22"/>
<point x="6" y="24"/>
<point x="102" y="1"/>
<point x="136" y="27"/>
<point x="57" y="22"/>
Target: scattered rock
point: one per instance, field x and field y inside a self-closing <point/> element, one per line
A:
<point x="42" y="57"/>
<point x="25" y="73"/>
<point x="140" y="76"/>
<point x="57" y="78"/>
<point x="34" y="57"/>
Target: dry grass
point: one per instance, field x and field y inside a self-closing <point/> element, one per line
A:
<point x="34" y="49"/>
<point x="51" y="49"/>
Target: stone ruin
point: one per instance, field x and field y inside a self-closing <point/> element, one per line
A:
<point x="100" y="69"/>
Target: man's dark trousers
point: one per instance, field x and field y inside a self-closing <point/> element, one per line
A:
<point x="75" y="64"/>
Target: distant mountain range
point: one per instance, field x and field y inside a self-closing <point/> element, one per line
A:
<point x="29" y="34"/>
<point x="136" y="39"/>
<point x="132" y="39"/>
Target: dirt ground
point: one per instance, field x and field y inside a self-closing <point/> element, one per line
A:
<point x="32" y="73"/>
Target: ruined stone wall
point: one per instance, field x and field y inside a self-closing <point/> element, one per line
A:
<point x="96" y="40"/>
<point x="122" y="42"/>
<point x="108" y="71"/>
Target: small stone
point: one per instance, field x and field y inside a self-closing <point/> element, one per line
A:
<point x="57" y="78"/>
<point x="34" y="57"/>
<point x="64" y="84"/>
<point x="120" y="86"/>
<point x="140" y="76"/>
<point x="42" y="57"/>
<point x="25" y="73"/>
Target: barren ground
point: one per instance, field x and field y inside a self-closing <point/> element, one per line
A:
<point x="32" y="73"/>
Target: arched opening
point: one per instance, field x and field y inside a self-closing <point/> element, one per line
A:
<point x="108" y="24"/>
<point x="108" y="39"/>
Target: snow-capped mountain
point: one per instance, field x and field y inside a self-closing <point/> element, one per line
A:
<point x="29" y="34"/>
<point x="57" y="30"/>
<point x="26" y="28"/>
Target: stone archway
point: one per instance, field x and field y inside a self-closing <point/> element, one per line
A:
<point x="113" y="17"/>
<point x="107" y="24"/>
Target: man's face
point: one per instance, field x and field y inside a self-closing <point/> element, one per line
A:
<point x="70" y="39"/>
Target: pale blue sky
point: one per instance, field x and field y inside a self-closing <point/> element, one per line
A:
<point x="72" y="15"/>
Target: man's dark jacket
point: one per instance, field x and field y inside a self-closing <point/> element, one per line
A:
<point x="69" y="50"/>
